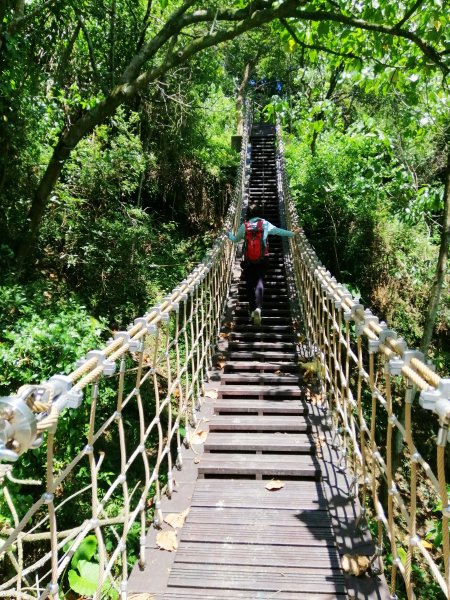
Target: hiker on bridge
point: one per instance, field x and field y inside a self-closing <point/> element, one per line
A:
<point x="255" y="231"/>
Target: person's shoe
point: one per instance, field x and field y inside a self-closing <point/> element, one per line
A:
<point x="256" y="317"/>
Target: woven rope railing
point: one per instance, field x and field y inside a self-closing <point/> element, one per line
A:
<point x="112" y="488"/>
<point x="370" y="382"/>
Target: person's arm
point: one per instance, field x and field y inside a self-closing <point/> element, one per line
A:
<point x="272" y="230"/>
<point x="240" y="234"/>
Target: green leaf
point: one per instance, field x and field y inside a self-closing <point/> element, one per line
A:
<point x="85" y="550"/>
<point x="163" y="3"/>
<point x="323" y="28"/>
<point x="402" y="555"/>
<point x="86" y="582"/>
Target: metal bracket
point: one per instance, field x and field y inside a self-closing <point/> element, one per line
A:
<point x="66" y="397"/>
<point x="109" y="367"/>
<point x="385" y="333"/>
<point x="354" y="310"/>
<point x="149" y="328"/>
<point x="133" y="345"/>
<point x="437" y="399"/>
<point x="363" y="323"/>
<point x="408" y="355"/>
<point x="18" y="426"/>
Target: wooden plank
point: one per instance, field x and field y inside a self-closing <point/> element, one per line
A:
<point x="258" y="554"/>
<point x="269" y="465"/>
<point x="258" y="423"/>
<point x="260" y="390"/>
<point x="268" y="579"/>
<point x="249" y="328"/>
<point x="261" y="356"/>
<point x="306" y="495"/>
<point x="235" y="405"/>
<point x="260" y="378"/>
<point x="258" y="534"/>
<point x="269" y="442"/>
<point x="177" y="593"/>
<point x="244" y="366"/>
<point x="259" y="334"/>
<point x="261" y="345"/>
<point x="274" y="517"/>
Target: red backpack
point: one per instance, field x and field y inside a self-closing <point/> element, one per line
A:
<point x="254" y="247"/>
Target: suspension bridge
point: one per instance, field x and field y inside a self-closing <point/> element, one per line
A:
<point x="236" y="462"/>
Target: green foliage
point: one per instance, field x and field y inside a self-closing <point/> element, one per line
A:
<point x="42" y="332"/>
<point x="84" y="574"/>
<point x="355" y="201"/>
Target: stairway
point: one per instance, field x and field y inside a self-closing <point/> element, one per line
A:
<point x="260" y="427"/>
<point x="241" y="539"/>
<point x="249" y="542"/>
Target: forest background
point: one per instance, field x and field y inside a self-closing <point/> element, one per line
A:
<point x="116" y="166"/>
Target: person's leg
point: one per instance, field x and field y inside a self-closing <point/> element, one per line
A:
<point x="259" y="289"/>
<point x="250" y="284"/>
<point x="260" y="272"/>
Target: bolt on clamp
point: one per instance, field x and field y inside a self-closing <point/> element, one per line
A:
<point x="355" y="309"/>
<point x="149" y="328"/>
<point x="18" y="426"/>
<point x="385" y="333"/>
<point x="437" y="399"/>
<point x="109" y="366"/>
<point x="64" y="395"/>
<point x="133" y="345"/>
<point x="165" y="316"/>
<point x="367" y="318"/>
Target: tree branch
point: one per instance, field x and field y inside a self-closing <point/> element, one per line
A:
<point x="144" y="25"/>
<point x="298" y="41"/>
<point x="426" y="49"/>
<point x="320" y="48"/>
<point x="409" y="13"/>
<point x="67" y="52"/>
<point x="19" y="23"/>
<point x="95" y="72"/>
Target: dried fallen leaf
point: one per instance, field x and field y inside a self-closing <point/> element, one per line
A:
<point x="199" y="437"/>
<point x="211" y="394"/>
<point x="274" y="484"/>
<point x="167" y="540"/>
<point x="196" y="461"/>
<point x="141" y="597"/>
<point x="355" y="564"/>
<point x="224" y="336"/>
<point x="426" y="544"/>
<point x="319" y="442"/>
<point x="220" y="364"/>
<point x="176" y="520"/>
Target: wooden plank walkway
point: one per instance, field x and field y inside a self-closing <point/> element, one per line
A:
<point x="240" y="539"/>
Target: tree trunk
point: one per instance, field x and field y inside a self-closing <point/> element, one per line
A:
<point x="441" y="267"/>
<point x="62" y="67"/>
<point x="241" y="95"/>
<point x="19" y="9"/>
<point x="67" y="142"/>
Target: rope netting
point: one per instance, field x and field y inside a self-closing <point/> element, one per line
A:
<point x="109" y="493"/>
<point x="372" y="385"/>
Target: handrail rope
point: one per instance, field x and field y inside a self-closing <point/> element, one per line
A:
<point x="329" y="310"/>
<point x="172" y="345"/>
